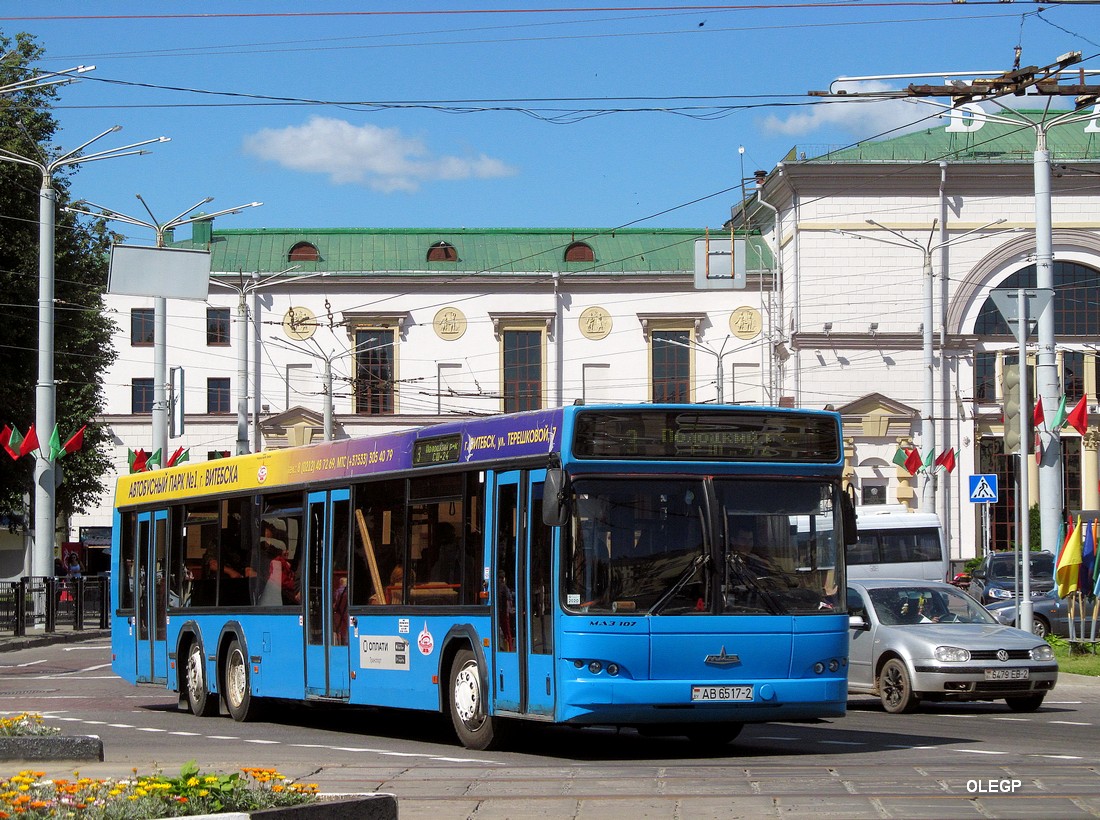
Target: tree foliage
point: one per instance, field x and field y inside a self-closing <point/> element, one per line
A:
<point x="82" y="330"/>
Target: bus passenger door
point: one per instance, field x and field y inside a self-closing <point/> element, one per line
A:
<point x="151" y="596"/>
<point x="328" y="516"/>
<point x="524" y="670"/>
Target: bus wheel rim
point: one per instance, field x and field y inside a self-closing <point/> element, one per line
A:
<point x="467" y="696"/>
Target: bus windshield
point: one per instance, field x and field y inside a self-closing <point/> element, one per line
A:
<point x="701" y="546"/>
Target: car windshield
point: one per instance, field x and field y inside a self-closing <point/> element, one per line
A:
<point x="692" y="546"/>
<point x="1003" y="567"/>
<point x="917" y="604"/>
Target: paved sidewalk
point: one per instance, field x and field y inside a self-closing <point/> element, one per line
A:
<point x="36" y="637"/>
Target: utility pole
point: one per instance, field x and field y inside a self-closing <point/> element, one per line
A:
<point x="990" y="87"/>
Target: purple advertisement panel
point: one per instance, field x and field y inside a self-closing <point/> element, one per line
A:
<point x="529" y="434"/>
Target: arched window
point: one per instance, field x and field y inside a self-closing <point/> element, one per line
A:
<point x="304" y="252"/>
<point x="442" y="252"/>
<point x="1075" y="311"/>
<point x="579" y="252"/>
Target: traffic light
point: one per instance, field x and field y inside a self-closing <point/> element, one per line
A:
<point x="1014" y="409"/>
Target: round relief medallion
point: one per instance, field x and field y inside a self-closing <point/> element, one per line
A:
<point x="746" y="322"/>
<point x="449" y="323"/>
<point x="595" y="323"/>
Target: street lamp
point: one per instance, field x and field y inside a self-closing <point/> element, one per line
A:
<point x="45" y="393"/>
<point x="928" y="427"/>
<point x="160" y="310"/>
<point x="719" y="355"/>
<point x="253" y="286"/>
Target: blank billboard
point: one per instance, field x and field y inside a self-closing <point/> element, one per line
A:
<point x="174" y="273"/>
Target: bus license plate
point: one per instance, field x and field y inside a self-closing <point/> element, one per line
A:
<point x="1007" y="674"/>
<point x="721" y="693"/>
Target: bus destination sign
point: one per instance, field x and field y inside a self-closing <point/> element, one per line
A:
<point x="442" y="450"/>
<point x="707" y="435"/>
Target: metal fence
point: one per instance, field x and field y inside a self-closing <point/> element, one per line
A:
<point x="54" y="604"/>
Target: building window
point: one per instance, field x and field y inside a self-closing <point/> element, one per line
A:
<point x="442" y="252"/>
<point x="217" y="395"/>
<point x="304" y="252"/>
<point x="670" y="364"/>
<point x="985" y="377"/>
<point x="141" y="327"/>
<point x="579" y="252"/>
<point x="217" y="327"/>
<point x="1073" y="374"/>
<point x="141" y="396"/>
<point x="522" y="369"/>
<point x="374" y="371"/>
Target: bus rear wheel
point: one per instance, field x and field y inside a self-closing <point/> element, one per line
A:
<point x="475" y="727"/>
<point x="199" y="698"/>
<point x="238" y="685"/>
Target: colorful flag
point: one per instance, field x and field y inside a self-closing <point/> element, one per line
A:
<point x="1096" y="564"/>
<point x="947" y="459"/>
<point x="15" y="443"/>
<point x="1059" y="420"/>
<point x="1038" y="418"/>
<point x="55" y="444"/>
<point x="178" y="457"/>
<point x="912" y="461"/>
<point x="139" y="461"/>
<point x="929" y="460"/>
<point x="30" y="443"/>
<point x="5" y="439"/>
<point x="899" y="457"/>
<point x="155" y="457"/>
<point x="1078" y="417"/>
<point x="1088" y="558"/>
<point x="1069" y="562"/>
<point x="76" y="440"/>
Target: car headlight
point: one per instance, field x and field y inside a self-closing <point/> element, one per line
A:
<point x="997" y="592"/>
<point x="1042" y="653"/>
<point x="951" y="654"/>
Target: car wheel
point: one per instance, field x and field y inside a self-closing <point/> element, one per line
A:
<point x="1026" y="703"/>
<point x="475" y="727"/>
<point x="1039" y="627"/>
<point x="199" y="698"/>
<point x="895" y="688"/>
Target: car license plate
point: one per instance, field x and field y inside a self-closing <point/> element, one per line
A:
<point x="1007" y="674"/>
<point x="721" y="693"/>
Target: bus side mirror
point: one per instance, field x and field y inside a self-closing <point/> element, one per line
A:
<point x="848" y="515"/>
<point x="554" y="512"/>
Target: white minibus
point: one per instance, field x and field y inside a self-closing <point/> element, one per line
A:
<point x="895" y="543"/>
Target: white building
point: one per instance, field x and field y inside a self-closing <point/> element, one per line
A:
<point x="419" y="325"/>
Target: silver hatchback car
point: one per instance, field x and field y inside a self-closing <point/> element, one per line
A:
<point x="914" y="640"/>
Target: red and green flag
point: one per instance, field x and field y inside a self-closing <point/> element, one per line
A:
<point x="912" y="461"/>
<point x="178" y="457"/>
<point x="946" y="459"/>
<point x="139" y="460"/>
<point x="5" y="439"/>
<point x="1078" y="417"/>
<point x="30" y="443"/>
<point x="55" y="444"/>
<point x="929" y="460"/>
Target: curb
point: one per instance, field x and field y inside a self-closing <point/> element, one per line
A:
<point x="51" y="747"/>
<point x="362" y="807"/>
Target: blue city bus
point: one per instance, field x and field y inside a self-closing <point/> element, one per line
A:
<point x="624" y="565"/>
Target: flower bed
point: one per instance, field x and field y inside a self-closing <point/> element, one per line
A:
<point x="28" y="796"/>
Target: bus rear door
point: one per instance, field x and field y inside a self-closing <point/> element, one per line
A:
<point x="151" y="596"/>
<point x="328" y="535"/>
<point x="524" y="661"/>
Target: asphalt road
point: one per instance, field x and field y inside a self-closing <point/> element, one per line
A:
<point x="961" y="760"/>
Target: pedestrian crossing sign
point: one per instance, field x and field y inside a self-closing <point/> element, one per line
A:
<point x="983" y="489"/>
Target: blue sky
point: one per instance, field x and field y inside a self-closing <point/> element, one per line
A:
<point x="452" y="117"/>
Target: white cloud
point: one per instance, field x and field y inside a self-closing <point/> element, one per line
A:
<point x="382" y="159"/>
<point x="859" y="118"/>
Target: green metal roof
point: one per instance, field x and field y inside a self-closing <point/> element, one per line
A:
<point x="993" y="142"/>
<point x="479" y="250"/>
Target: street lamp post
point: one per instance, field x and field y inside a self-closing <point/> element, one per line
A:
<point x="928" y="426"/>
<point x="719" y="355"/>
<point x="160" y="309"/>
<point x="45" y="520"/>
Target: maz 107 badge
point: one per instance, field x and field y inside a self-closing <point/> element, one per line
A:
<point x="383" y="652"/>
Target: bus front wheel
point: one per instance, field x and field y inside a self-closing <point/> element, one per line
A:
<point x="199" y="698"/>
<point x="476" y="729"/>
<point x="238" y="685"/>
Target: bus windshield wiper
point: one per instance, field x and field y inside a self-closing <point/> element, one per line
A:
<point x="685" y="576"/>
<point x="749" y="578"/>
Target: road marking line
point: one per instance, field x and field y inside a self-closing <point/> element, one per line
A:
<point x="274" y="742"/>
<point x="121" y="725"/>
<point x="149" y="729"/>
<point x="221" y="737"/>
<point x="981" y="752"/>
<point x="186" y="734"/>
<point x="1070" y="723"/>
<point x="842" y="742"/>
<point x="1059" y="757"/>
